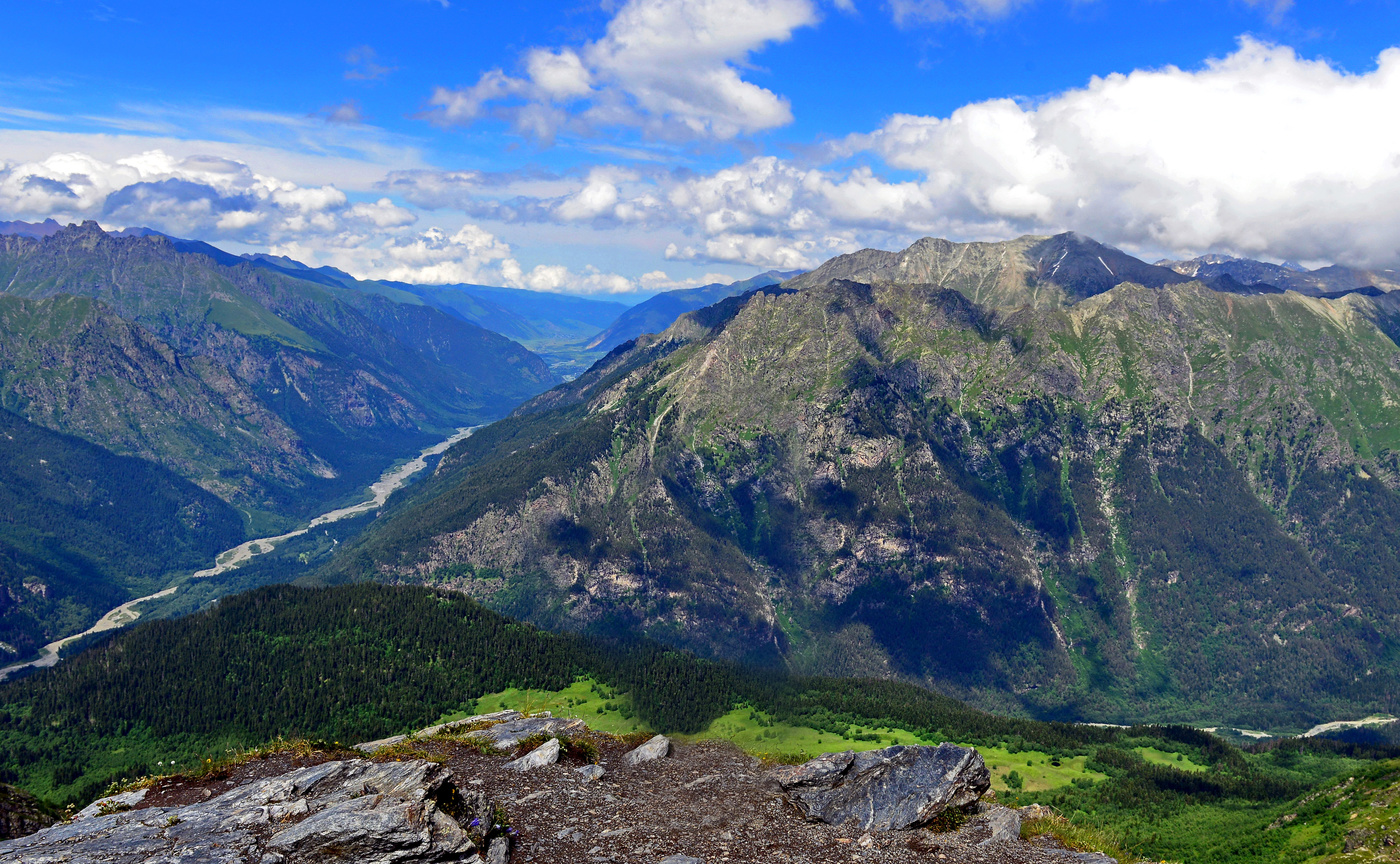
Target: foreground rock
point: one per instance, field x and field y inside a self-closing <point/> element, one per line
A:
<point x="895" y="788"/>
<point x="545" y="754"/>
<point x="400" y="812"/>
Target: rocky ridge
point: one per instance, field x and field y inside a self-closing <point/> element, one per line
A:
<point x="449" y="793"/>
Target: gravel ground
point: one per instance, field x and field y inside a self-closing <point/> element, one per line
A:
<point x="706" y="801"/>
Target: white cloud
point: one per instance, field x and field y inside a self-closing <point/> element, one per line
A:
<point x="668" y="67"/>
<point x="347" y="112"/>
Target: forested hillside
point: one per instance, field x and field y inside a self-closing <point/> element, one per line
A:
<point x="83" y="530"/>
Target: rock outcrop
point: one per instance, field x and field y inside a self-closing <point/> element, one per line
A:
<point x="894" y="788"/>
<point x="545" y="754"/>
<point x="21" y="813"/>
<point x="372" y="813"/>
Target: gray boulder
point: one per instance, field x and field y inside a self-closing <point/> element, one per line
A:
<point x="894" y="788"/>
<point x="391" y="813"/>
<point x="657" y="748"/>
<point x="545" y="754"/>
<point x="591" y="772"/>
<point x="1004" y="823"/>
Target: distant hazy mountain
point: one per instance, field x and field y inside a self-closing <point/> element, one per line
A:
<point x="658" y="313"/>
<point x="30" y="229"/>
<point x="533" y="317"/>
<point x="1217" y="270"/>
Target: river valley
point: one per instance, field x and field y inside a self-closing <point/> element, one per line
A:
<point x="388" y="483"/>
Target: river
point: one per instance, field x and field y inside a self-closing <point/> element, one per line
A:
<point x="388" y="483"/>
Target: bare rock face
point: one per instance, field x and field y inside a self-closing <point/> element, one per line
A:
<point x="894" y="788"/>
<point x="387" y="813"/>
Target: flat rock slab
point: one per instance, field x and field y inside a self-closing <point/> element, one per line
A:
<point x="507" y="735"/>
<point x="375" y="813"/>
<point x="895" y="788"/>
<point x="658" y="747"/>
<point x="497" y="717"/>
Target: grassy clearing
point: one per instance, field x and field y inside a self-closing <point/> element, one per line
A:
<point x="1039" y="772"/>
<point x="599" y="707"/>
<point x="1171" y="760"/>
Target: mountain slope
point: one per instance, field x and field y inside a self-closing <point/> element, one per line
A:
<point x="82" y="530"/>
<point x="277" y="393"/>
<point x="657" y="313"/>
<point x="1167" y="502"/>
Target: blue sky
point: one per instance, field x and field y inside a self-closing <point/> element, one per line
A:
<point x="635" y="145"/>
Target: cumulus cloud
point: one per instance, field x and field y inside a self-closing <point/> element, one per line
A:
<point x="1261" y="152"/>
<point x="472" y="255"/>
<point x="670" y="68"/>
<point x="201" y="196"/>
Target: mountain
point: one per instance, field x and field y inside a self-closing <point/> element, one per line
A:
<point x="274" y="392"/>
<point x="657" y="313"/>
<point x="1039" y="271"/>
<point x="1156" y="501"/>
<point x="83" y="530"/>
<point x="1212" y="269"/>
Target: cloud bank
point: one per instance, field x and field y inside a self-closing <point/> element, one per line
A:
<point x="1260" y="153"/>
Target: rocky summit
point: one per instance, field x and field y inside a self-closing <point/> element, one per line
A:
<point x="450" y="794"/>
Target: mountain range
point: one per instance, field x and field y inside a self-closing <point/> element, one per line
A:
<point x="1040" y="474"/>
<point x="272" y="392"/>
